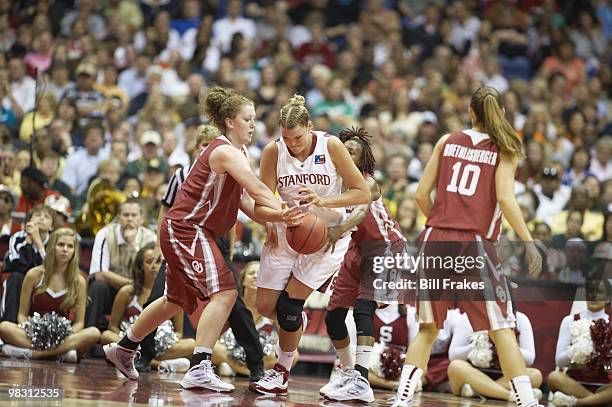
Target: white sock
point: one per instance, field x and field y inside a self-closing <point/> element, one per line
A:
<point x="363" y="356"/>
<point x="285" y="359"/>
<point x="201" y="349"/>
<point x="346" y="357"/>
<point x="408" y="382"/>
<point x="132" y="337"/>
<point x="523" y="394"/>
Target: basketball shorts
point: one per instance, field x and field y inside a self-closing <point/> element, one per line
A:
<point x="196" y="268"/>
<point x="280" y="262"/>
<point x="355" y="278"/>
<point x="487" y="309"/>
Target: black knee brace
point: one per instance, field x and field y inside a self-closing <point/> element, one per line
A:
<point x="336" y="325"/>
<point x="289" y="312"/>
<point x="363" y="314"/>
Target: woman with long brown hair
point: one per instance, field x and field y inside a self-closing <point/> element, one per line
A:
<point x="55" y="286"/>
<point x="472" y="172"/>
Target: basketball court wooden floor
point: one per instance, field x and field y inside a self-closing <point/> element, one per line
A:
<point x="92" y="382"/>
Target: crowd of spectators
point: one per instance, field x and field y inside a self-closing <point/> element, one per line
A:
<point x="116" y="88"/>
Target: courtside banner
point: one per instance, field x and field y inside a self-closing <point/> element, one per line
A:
<point x="479" y="270"/>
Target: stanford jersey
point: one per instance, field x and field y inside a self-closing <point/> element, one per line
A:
<point x="207" y="199"/>
<point x="465" y="193"/>
<point x="390" y="327"/>
<point x="49" y="301"/>
<point x="317" y="172"/>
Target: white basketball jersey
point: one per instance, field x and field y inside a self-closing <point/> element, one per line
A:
<point x="317" y="172"/>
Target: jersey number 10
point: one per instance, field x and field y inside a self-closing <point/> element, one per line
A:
<point x="469" y="174"/>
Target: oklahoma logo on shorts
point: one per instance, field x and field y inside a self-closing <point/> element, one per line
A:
<point x="320" y="159"/>
<point x="197" y="266"/>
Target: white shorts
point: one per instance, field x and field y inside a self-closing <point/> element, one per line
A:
<point x="279" y="263"/>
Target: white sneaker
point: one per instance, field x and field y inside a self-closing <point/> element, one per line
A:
<point x="407" y="386"/>
<point x="356" y="389"/>
<point x="467" y="391"/>
<point x="16" y="352"/>
<point x="122" y="358"/>
<point x="562" y="399"/>
<point x="338" y="378"/>
<point x="202" y="376"/>
<point x="274" y="382"/>
<point x="69" y="357"/>
<point x="173" y="365"/>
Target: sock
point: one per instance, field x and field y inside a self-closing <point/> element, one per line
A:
<point x="129" y="341"/>
<point x="285" y="359"/>
<point x="523" y="394"/>
<point x="346" y="357"/>
<point x="362" y="360"/>
<point x="200" y="354"/>
<point x="408" y="382"/>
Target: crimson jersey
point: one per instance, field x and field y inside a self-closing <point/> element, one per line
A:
<point x="390" y="327"/>
<point x="378" y="224"/>
<point x="466" y="198"/>
<point x="49" y="301"/>
<point x="206" y="198"/>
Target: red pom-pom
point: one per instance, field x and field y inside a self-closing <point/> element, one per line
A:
<point x="392" y="361"/>
<point x="601" y="335"/>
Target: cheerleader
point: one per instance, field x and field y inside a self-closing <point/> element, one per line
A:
<point x="467" y="380"/>
<point x="575" y="384"/>
<point x="129" y="303"/>
<point x="55" y="286"/>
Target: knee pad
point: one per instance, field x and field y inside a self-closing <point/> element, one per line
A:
<point x="363" y="314"/>
<point x="336" y="324"/>
<point x="289" y="312"/>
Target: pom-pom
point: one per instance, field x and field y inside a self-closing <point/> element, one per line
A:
<point x="581" y="347"/>
<point x="165" y="336"/>
<point x="392" y="361"/>
<point x="601" y="336"/>
<point x="376" y="360"/>
<point x="268" y="343"/>
<point x="47" y="331"/>
<point x="481" y="354"/>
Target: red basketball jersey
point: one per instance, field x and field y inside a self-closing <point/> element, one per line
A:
<point x="465" y="193"/>
<point x="378" y="225"/>
<point x="206" y="198"/>
<point x="390" y="327"/>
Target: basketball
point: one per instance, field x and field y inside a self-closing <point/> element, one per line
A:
<point x="308" y="237"/>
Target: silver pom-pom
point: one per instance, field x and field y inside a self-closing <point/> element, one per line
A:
<point x="165" y="337"/>
<point x="268" y="343"/>
<point x="47" y="331"/>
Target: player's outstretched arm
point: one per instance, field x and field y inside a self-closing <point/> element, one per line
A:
<point x="427" y="183"/>
<point x="229" y="159"/>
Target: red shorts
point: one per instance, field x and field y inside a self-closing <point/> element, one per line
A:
<point x="196" y="268"/>
<point x="487" y="309"/>
<point x="346" y="284"/>
<point x="437" y="368"/>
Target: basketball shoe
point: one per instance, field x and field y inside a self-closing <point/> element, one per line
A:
<point x="356" y="389"/>
<point x="202" y="376"/>
<point x="122" y="358"/>
<point x="274" y="382"/>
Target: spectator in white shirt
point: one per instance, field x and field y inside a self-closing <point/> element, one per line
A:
<point x="225" y="28"/>
<point x="23" y="89"/>
<point x="552" y="195"/>
<point x="82" y="165"/>
<point x="464" y="28"/>
<point x="133" y="80"/>
<point x="601" y="165"/>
